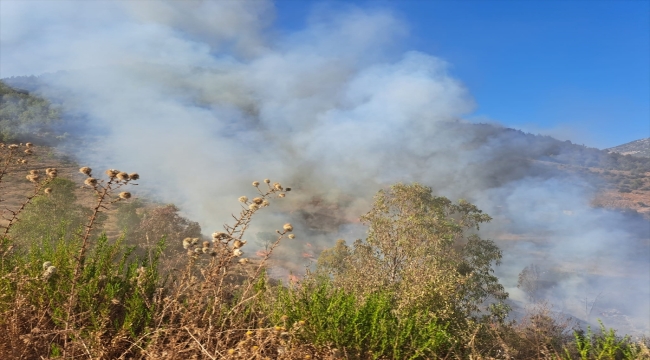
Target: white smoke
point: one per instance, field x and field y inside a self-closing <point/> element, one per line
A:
<point x="203" y="97"/>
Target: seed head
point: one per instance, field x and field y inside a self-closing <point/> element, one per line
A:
<point x="237" y="252"/>
<point x="134" y="176"/>
<point x="238" y="243"/>
<point x="111" y="173"/>
<point x="47" y="190"/>
<point x="29" y="152"/>
<point x="122" y="176"/>
<point x="91" y="182"/>
<point x="288" y="227"/>
<point x="258" y="200"/>
<point x="195" y="241"/>
<point x="243" y="199"/>
<point x="292" y="236"/>
<point x="197" y="250"/>
<point x="29" y="144"/>
<point x="206" y="244"/>
<point x="267" y="181"/>
<point x="243" y="261"/>
<point x="218" y="235"/>
<point x="277" y="186"/>
<point x="281" y="195"/>
<point x="33" y="178"/>
<point x="125" y="195"/>
<point x="46" y="265"/>
<point x="256" y="183"/>
<point x="13" y="146"/>
<point x="205" y="250"/>
<point x="34" y="172"/>
<point x="265" y="203"/>
<point x="85" y="170"/>
<point x="253" y="207"/>
<point x="51" y="172"/>
<point x="51" y="269"/>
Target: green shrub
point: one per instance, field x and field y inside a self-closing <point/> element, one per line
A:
<point x="368" y="328"/>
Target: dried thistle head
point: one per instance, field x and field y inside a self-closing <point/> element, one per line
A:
<point x="85" y="170"/>
<point x="288" y="227"/>
<point x="28" y="145"/>
<point x="134" y="176"/>
<point x="218" y="235"/>
<point x="13" y="146"/>
<point x="122" y="176"/>
<point x="195" y="241"/>
<point x="277" y="186"/>
<point x="28" y="152"/>
<point x="238" y="243"/>
<point x="34" y="172"/>
<point x="237" y="252"/>
<point x="292" y="236"/>
<point x="267" y="181"/>
<point x="243" y="261"/>
<point x="33" y="178"/>
<point x="187" y="242"/>
<point x="51" y="172"/>
<point x="205" y="250"/>
<point x="206" y="244"/>
<point x="258" y="200"/>
<point x="265" y="203"/>
<point x="256" y="183"/>
<point x="243" y="199"/>
<point x="281" y="195"/>
<point x="253" y="207"/>
<point x="46" y="265"/>
<point x="91" y="182"/>
<point x="48" y="191"/>
<point x="112" y="173"/>
<point x="125" y="195"/>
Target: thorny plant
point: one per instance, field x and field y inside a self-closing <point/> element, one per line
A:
<point x="15" y="155"/>
<point x="105" y="191"/>
<point x="212" y="306"/>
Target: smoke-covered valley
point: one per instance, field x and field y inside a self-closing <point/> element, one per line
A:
<point x="202" y="98"/>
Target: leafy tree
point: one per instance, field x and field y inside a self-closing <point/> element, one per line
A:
<point x="425" y="250"/>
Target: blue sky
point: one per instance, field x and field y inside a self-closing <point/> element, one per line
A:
<point x="575" y="70"/>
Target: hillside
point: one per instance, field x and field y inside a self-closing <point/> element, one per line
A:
<point x="640" y="148"/>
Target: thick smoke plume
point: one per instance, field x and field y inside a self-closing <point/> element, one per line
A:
<point x="203" y="97"/>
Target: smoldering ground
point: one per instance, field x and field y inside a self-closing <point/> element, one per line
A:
<point x="202" y="98"/>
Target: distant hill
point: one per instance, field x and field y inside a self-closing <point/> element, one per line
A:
<point x="640" y="148"/>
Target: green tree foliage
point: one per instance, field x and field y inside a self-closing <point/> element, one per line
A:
<point x="22" y="115"/>
<point x="424" y="249"/>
